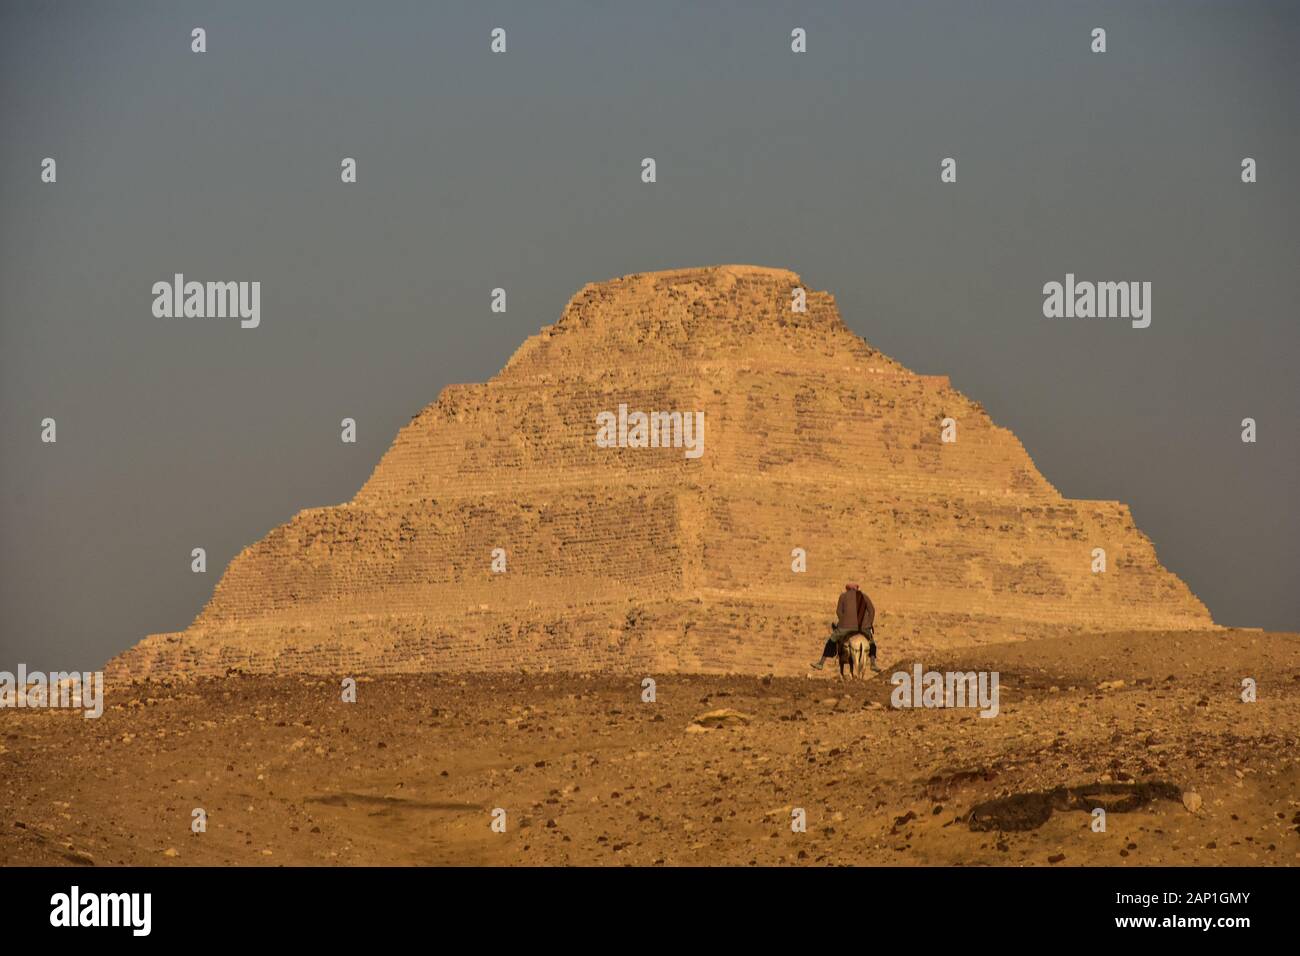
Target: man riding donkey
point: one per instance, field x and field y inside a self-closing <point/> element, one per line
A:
<point x="856" y="615"/>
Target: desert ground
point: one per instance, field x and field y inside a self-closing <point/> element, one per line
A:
<point x="590" y="774"/>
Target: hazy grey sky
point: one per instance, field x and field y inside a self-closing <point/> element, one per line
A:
<point x="522" y="170"/>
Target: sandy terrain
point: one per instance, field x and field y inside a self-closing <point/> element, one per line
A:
<point x="588" y="773"/>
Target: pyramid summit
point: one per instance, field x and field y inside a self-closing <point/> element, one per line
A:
<point x="498" y="533"/>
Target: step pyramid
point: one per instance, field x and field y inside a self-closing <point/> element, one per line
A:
<point x="646" y="559"/>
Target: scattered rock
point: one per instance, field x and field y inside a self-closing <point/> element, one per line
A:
<point x="724" y="717"/>
<point x="902" y="821"/>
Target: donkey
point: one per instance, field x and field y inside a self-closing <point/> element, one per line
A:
<point x="853" y="654"/>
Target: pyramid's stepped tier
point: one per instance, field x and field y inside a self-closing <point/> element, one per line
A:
<point x="635" y="558"/>
<point x="822" y="425"/>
